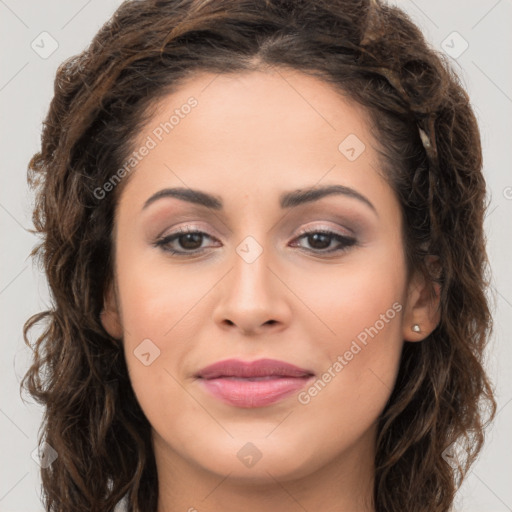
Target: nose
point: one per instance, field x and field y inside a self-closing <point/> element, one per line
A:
<point x="253" y="297"/>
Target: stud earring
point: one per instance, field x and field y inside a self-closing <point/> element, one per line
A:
<point x="416" y="328"/>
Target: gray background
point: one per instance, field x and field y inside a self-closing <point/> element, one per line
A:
<point x="26" y="88"/>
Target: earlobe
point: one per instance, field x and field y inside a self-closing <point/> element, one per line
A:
<point x="422" y="312"/>
<point x="109" y="316"/>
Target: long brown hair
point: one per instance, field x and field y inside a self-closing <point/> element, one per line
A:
<point x="374" y="55"/>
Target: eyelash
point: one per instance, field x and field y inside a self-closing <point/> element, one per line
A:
<point x="345" y="241"/>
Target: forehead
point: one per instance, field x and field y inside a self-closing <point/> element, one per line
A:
<point x="254" y="131"/>
<point x="257" y="99"/>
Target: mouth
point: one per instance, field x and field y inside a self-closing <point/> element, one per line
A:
<point x="253" y="384"/>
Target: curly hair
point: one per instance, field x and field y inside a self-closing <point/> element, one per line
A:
<point x="430" y="150"/>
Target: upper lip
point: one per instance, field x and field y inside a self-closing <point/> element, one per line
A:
<point x="258" y="368"/>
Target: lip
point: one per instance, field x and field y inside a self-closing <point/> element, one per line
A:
<point x="253" y="384"/>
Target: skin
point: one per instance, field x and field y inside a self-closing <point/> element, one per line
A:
<point x="251" y="137"/>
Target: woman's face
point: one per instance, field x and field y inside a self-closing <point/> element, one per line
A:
<point x="252" y="286"/>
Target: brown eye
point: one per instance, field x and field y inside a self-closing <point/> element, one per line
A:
<point x="320" y="240"/>
<point x="190" y="240"/>
<point x="183" y="243"/>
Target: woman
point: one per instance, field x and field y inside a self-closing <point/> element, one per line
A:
<point x="263" y="233"/>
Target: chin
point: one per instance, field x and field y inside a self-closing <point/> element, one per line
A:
<point x="257" y="460"/>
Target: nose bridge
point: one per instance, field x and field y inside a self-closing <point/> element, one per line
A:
<point x="253" y="254"/>
<point x="251" y="269"/>
<point x="252" y="295"/>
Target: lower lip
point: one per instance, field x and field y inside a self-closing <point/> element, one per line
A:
<point x="253" y="393"/>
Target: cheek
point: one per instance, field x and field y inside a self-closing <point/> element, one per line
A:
<point x="349" y="298"/>
<point x="156" y="307"/>
<point x="347" y="397"/>
<point x="156" y="296"/>
<point x="360" y="336"/>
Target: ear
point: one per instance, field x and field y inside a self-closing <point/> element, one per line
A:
<point x="110" y="317"/>
<point x="422" y="307"/>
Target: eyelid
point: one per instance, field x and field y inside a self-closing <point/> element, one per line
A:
<point x="347" y="241"/>
<point x="314" y="228"/>
<point x="303" y="230"/>
<point x="184" y="229"/>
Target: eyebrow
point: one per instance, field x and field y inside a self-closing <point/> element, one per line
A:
<point x="290" y="199"/>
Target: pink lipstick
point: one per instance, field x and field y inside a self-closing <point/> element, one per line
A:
<point x="253" y="384"/>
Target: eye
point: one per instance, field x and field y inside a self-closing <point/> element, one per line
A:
<point x="321" y="239"/>
<point x="188" y="242"/>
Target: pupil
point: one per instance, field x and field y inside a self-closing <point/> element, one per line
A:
<point x="317" y="236"/>
<point x="190" y="236"/>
